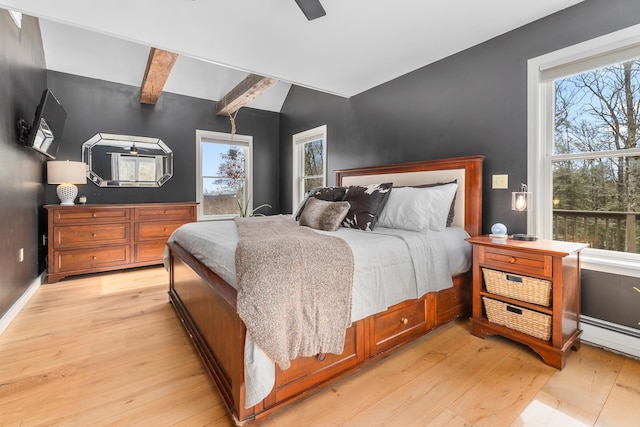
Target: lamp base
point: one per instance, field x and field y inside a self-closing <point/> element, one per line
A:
<point x="67" y="193"/>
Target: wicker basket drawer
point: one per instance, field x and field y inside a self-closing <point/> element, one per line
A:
<point x="520" y="319"/>
<point x="523" y="288"/>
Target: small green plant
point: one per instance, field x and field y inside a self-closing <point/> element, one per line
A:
<point x="244" y="209"/>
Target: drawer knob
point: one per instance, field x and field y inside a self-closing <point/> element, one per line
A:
<point x="404" y="320"/>
<point x="94" y="215"/>
<point x="95" y="257"/>
<point x="93" y="235"/>
<point x="512" y="260"/>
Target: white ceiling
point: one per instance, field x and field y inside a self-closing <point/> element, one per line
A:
<point x="358" y="45"/>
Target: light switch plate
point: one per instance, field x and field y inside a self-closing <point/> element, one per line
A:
<point x="500" y="181"/>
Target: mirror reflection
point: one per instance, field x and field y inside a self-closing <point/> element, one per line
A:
<point x="127" y="161"/>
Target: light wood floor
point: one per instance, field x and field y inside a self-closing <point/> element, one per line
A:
<point x="108" y="350"/>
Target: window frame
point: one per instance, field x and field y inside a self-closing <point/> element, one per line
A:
<point x="540" y="126"/>
<point x="299" y="140"/>
<point x="206" y="137"/>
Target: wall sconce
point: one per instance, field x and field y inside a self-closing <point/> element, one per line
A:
<point x="521" y="200"/>
<point x="66" y="174"/>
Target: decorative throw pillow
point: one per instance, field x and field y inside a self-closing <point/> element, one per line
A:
<point x="418" y="209"/>
<point x="366" y="203"/>
<point x="330" y="194"/>
<point x="323" y="215"/>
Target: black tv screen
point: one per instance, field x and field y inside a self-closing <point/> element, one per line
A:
<point x="48" y="124"/>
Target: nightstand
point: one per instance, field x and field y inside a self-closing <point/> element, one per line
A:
<point x="528" y="291"/>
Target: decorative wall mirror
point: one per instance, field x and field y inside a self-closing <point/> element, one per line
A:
<point x="127" y="161"/>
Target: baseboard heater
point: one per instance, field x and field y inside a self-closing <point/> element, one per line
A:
<point x="612" y="336"/>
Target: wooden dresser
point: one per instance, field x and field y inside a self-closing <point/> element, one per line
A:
<point x="528" y="292"/>
<point x="92" y="238"/>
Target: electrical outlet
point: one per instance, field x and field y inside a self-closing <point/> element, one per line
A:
<point x="21" y="255"/>
<point x="499" y="182"/>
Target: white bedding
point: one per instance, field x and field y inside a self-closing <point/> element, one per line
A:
<point x="390" y="266"/>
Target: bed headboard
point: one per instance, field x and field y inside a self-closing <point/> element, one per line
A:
<point x="466" y="170"/>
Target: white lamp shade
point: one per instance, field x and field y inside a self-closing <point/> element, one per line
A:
<point x="66" y="172"/>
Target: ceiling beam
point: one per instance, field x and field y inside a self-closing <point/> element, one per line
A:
<point x="246" y="91"/>
<point x="159" y="67"/>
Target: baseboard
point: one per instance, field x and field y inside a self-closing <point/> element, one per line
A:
<point x="614" y="337"/>
<point x="11" y="314"/>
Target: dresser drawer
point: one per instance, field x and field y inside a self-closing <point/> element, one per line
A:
<point x="394" y="325"/>
<point x="147" y="231"/>
<point x="90" y="215"/>
<point x="86" y="259"/>
<point x="527" y="263"/>
<point x="149" y="251"/>
<point x="90" y="235"/>
<point x="167" y="212"/>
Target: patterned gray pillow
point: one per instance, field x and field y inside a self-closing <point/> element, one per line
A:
<point x="323" y="215"/>
<point x="330" y="194"/>
<point x="366" y="202"/>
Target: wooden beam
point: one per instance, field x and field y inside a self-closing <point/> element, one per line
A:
<point x="159" y="67"/>
<point x="246" y="91"/>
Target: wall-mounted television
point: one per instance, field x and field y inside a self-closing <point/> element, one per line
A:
<point x="44" y="134"/>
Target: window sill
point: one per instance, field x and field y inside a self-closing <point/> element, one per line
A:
<point x="621" y="263"/>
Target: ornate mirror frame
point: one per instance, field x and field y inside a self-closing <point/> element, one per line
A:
<point x="127" y="161"/>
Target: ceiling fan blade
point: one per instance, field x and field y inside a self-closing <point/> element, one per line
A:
<point x="312" y="9"/>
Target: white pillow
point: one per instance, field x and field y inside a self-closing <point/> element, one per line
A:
<point x="418" y="209"/>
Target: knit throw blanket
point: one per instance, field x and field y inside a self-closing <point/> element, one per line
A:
<point x="294" y="287"/>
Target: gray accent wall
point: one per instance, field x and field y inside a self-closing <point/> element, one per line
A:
<point x="474" y="102"/>
<point x="96" y="106"/>
<point x="23" y="78"/>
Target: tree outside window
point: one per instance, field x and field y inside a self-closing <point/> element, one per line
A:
<point x="224" y="174"/>
<point x="309" y="162"/>
<point x="595" y="161"/>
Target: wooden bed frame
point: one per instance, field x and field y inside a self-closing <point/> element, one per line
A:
<point x="206" y="304"/>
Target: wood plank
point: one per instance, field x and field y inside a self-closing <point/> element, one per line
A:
<point x="159" y="65"/>
<point x="579" y="391"/>
<point x="244" y="92"/>
<point x="505" y="391"/>
<point x="622" y="405"/>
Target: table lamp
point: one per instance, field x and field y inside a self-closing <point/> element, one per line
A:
<point x="66" y="174"/>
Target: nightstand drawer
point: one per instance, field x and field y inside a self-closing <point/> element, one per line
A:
<point x="522" y="288"/>
<point x="527" y="263"/>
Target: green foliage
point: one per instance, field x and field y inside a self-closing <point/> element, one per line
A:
<point x="245" y="212"/>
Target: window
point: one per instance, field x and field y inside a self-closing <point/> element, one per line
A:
<point x="136" y="168"/>
<point x="309" y="162"/>
<point x="584" y="148"/>
<point x="224" y="174"/>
